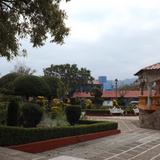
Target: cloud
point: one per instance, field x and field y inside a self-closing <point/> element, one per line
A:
<point x="109" y="37"/>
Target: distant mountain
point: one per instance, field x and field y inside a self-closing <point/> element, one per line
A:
<point x="124" y="82"/>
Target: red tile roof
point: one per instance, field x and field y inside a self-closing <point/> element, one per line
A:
<point x="154" y="67"/>
<point x="111" y="94"/>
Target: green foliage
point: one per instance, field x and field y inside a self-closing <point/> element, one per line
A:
<point x="31" y="114"/>
<point x="97" y="111"/>
<point x="3" y="113"/>
<point x="7" y="83"/>
<point x="97" y="93"/>
<point x="13" y="113"/>
<point x="73" y="114"/>
<point x="73" y="77"/>
<point x="27" y="135"/>
<point x="115" y="103"/>
<point x="29" y="85"/>
<point x="56" y="112"/>
<point x="121" y="101"/>
<point x="56" y="86"/>
<point x="32" y="19"/>
<point x="87" y="104"/>
<point x="129" y="110"/>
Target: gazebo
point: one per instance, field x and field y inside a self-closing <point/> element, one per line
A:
<point x="149" y="105"/>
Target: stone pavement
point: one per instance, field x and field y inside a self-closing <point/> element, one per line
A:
<point x="133" y="143"/>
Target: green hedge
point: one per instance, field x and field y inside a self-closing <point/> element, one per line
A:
<point x="15" y="135"/>
<point x="97" y="111"/>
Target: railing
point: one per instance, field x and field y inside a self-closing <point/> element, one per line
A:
<point x="155" y="103"/>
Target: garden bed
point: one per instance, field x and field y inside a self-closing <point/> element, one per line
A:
<point x="11" y="136"/>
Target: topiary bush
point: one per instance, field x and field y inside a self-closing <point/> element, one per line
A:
<point x="13" y="113"/>
<point x="31" y="86"/>
<point x="73" y="114"/>
<point x="31" y="114"/>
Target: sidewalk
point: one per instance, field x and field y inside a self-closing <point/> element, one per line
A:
<point x="133" y="143"/>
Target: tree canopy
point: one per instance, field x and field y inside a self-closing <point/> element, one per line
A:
<point x="32" y="19"/>
<point x="73" y="77"/>
<point x="7" y="83"/>
<point x="56" y="86"/>
<point x="31" y="86"/>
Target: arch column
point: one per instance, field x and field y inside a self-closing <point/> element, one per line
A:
<point x="149" y="99"/>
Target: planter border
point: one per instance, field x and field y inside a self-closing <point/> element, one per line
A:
<point x="45" y="145"/>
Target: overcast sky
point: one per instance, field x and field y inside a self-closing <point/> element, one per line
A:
<point x="115" y="38"/>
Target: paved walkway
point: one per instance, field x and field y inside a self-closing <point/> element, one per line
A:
<point x="133" y="143"/>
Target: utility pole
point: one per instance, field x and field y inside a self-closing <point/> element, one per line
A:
<point x="116" y="85"/>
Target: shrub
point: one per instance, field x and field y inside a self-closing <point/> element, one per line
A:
<point x="31" y="86"/>
<point x="31" y="114"/>
<point x="3" y="113"/>
<point x="16" y="135"/>
<point x="73" y="114"/>
<point x="55" y="112"/>
<point x="12" y="113"/>
<point x="87" y="103"/>
<point x="56" y="86"/>
<point x="7" y="83"/>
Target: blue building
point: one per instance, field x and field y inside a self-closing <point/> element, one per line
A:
<point x="107" y="85"/>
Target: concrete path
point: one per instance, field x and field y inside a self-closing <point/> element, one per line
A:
<point x="133" y="143"/>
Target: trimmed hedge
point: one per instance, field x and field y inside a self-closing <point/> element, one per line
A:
<point x="15" y="135"/>
<point x="73" y="114"/>
<point x="97" y="111"/>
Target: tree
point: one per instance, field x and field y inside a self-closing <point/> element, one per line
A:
<point x="7" y="83"/>
<point x="97" y="93"/>
<point x="73" y="77"/>
<point x="22" y="69"/>
<point x="56" y="86"/>
<point x="31" y="86"/>
<point x="34" y="19"/>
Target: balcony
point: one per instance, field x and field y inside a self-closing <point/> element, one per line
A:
<point x="154" y="103"/>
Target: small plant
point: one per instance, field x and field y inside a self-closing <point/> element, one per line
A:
<point x="87" y="104"/>
<point x="31" y="114"/>
<point x="12" y="113"/>
<point x="73" y="114"/>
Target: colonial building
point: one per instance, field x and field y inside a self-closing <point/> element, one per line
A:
<point x="149" y="105"/>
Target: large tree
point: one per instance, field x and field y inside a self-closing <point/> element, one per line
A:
<point x="56" y="86"/>
<point x="73" y="77"/>
<point x="30" y="18"/>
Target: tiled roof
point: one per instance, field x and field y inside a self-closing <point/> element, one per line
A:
<point x="111" y="94"/>
<point x="150" y="68"/>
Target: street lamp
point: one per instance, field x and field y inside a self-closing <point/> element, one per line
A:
<point x="116" y="82"/>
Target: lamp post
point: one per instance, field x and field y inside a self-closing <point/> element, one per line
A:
<point x="116" y="83"/>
